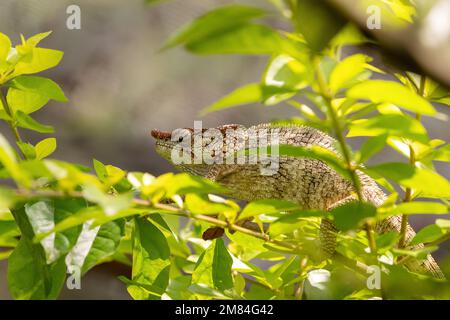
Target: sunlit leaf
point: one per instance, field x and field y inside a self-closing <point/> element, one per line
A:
<point x="381" y="91"/>
<point x="346" y="71"/>
<point x="390" y="124"/>
<point x="41" y="59"/>
<point x="429" y="183"/>
<point x="214" y="23"/>
<point x="420" y="207"/>
<point x="198" y="204"/>
<point x="45" y="148"/>
<point x="266" y="206"/>
<point x="27" y="122"/>
<point x="5" y="46"/>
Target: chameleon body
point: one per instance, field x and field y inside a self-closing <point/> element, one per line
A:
<point x="308" y="182"/>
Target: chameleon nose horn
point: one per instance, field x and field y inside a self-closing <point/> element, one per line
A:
<point x="157" y="134"/>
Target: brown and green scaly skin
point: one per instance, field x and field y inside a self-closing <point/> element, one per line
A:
<point x="308" y="182"/>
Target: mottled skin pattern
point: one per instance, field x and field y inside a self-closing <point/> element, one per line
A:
<point x="309" y="182"/>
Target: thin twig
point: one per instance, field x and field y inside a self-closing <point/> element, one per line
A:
<point x="354" y="265"/>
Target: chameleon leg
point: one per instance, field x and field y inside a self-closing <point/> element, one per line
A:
<point x="327" y="235"/>
<point x="328" y="230"/>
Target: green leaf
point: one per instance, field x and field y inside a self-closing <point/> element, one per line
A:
<point x="25" y="101"/>
<point x="29" y="277"/>
<point x="27" y="149"/>
<point x="387" y="241"/>
<point x="429" y="183"/>
<point x="214" y="23"/>
<point x="350" y="215"/>
<point x="319" y="153"/>
<point x="5" y="46"/>
<point x="292" y="220"/>
<point x="100" y="170"/>
<point x="170" y="184"/>
<point x="250" y="93"/>
<point x="27" y="122"/>
<point x="283" y="71"/>
<point x="390" y="124"/>
<point x="37" y="270"/>
<point x="266" y="206"/>
<point x="381" y="91"/>
<point x="39" y="60"/>
<point x="33" y="41"/>
<point x="39" y="85"/>
<point x="346" y="71"/>
<point x="40" y="215"/>
<point x="443" y="224"/>
<point x="45" y="148"/>
<point x="95" y="245"/>
<point x="214" y="267"/>
<point x="199" y="204"/>
<point x="151" y="259"/>
<point x="109" y="203"/>
<point x="418" y="207"/>
<point x="9" y="161"/>
<point x="417" y="253"/>
<point x="371" y="147"/>
<point x="243" y="39"/>
<point x="427" y="234"/>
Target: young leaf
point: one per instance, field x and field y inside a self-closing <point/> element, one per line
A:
<point x="198" y="204"/>
<point x="5" y="46"/>
<point x="45" y="148"/>
<point x="381" y="91"/>
<point x="41" y="59"/>
<point x="27" y="122"/>
<point x="266" y="206"/>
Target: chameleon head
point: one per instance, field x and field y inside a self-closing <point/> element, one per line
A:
<point x="179" y="149"/>
<point x="195" y="151"/>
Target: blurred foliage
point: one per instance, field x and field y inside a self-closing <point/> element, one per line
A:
<point x="57" y="217"/>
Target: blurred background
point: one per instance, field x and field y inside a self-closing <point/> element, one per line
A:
<point x="120" y="87"/>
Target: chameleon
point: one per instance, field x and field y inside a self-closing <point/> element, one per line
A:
<point x="308" y="182"/>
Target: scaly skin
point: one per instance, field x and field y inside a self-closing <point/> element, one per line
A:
<point x="308" y="182"/>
